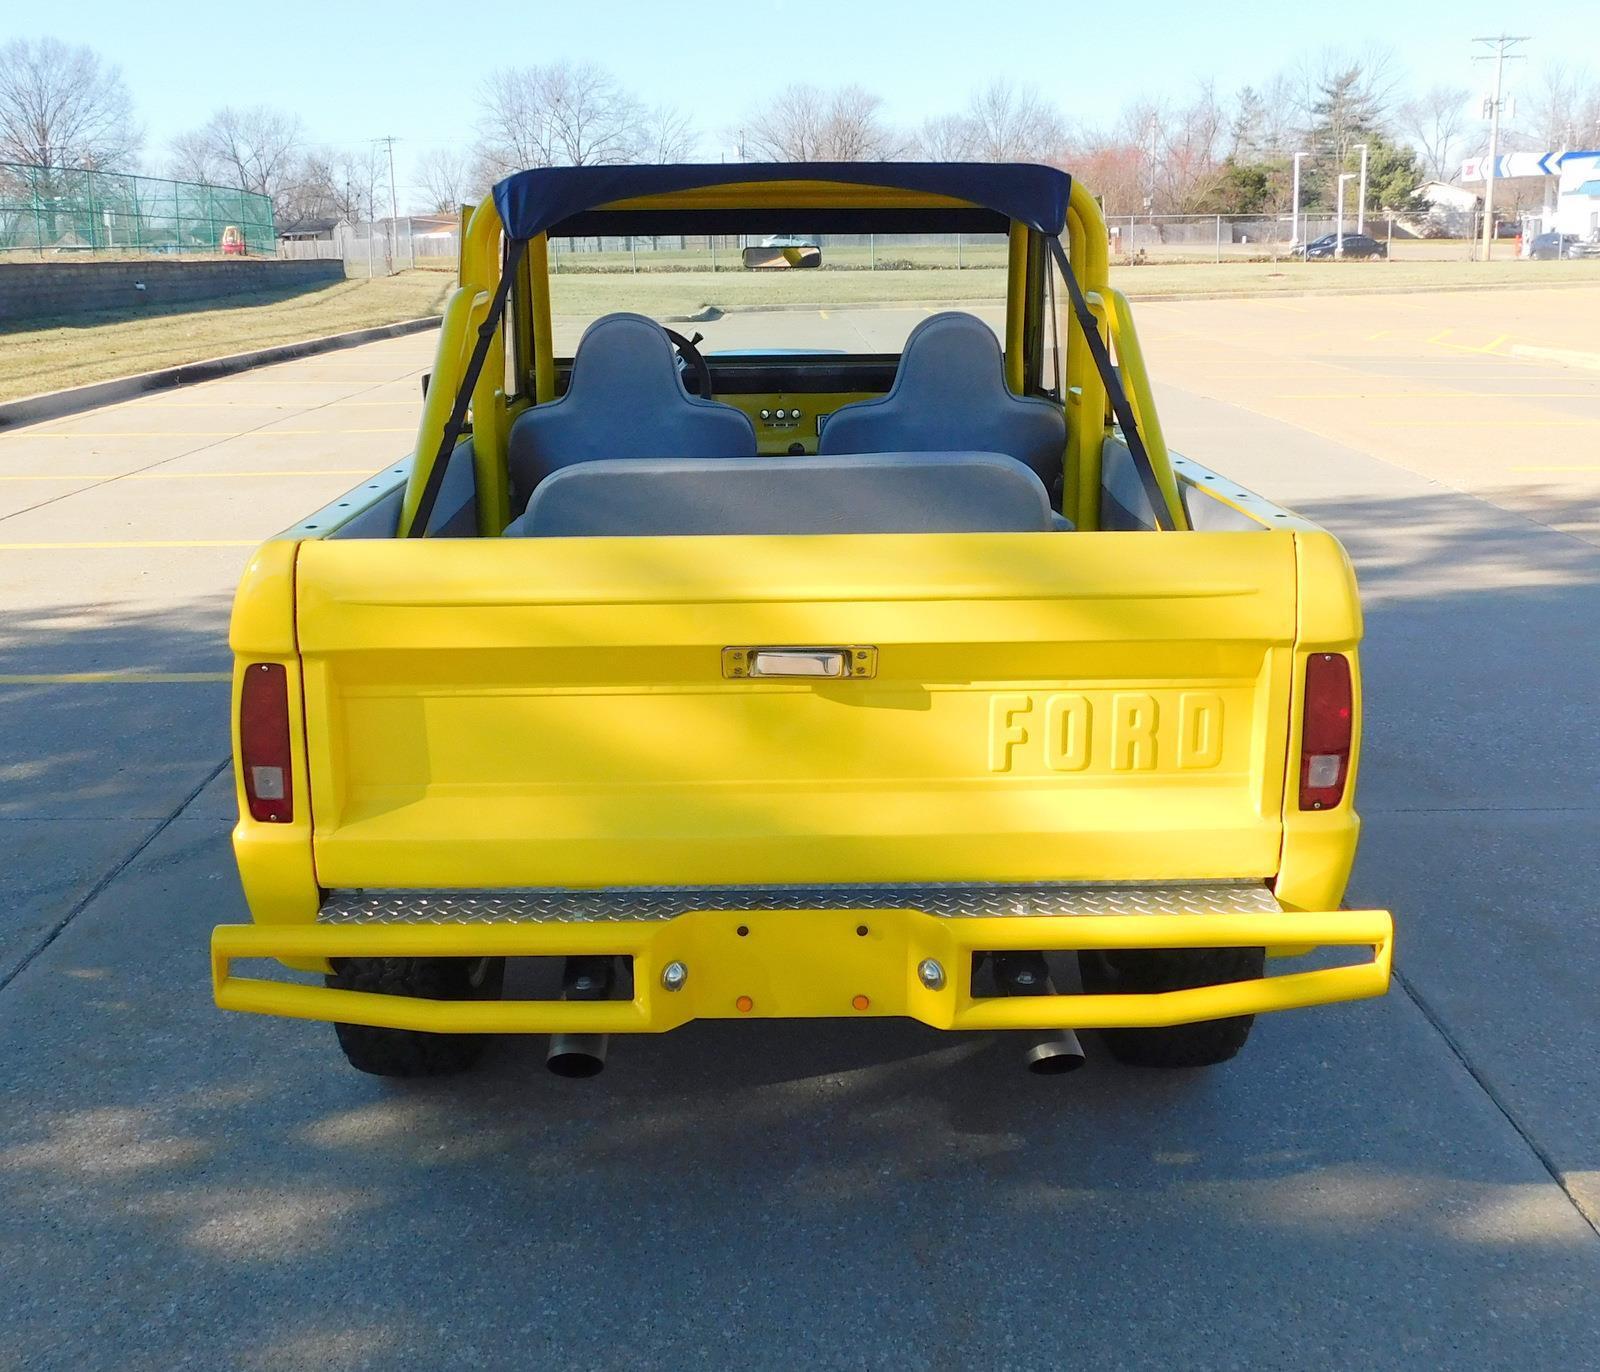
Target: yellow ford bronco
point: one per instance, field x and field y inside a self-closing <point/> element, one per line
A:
<point x="788" y="682"/>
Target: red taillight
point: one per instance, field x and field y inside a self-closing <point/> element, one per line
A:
<point x="1325" y="731"/>
<point x="264" y="742"/>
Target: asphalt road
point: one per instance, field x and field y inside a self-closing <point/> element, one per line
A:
<point x="1408" y="1182"/>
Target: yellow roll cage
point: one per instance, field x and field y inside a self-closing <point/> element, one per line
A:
<point x="528" y="321"/>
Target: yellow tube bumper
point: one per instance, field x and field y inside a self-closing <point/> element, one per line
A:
<point x="804" y="964"/>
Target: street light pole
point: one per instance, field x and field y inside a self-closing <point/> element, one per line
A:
<point x="1502" y="46"/>
<point x="1361" y="200"/>
<point x="1338" y="247"/>
<point x="1294" y="214"/>
<point x="1150" y="192"/>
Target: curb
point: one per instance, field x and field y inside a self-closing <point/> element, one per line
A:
<point x="33" y="409"/>
<point x="1570" y="357"/>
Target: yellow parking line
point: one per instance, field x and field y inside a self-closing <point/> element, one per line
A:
<point x="1478" y="423"/>
<point x="1488" y="347"/>
<point x="176" y="476"/>
<point x="108" y="678"/>
<point x="219" y="433"/>
<point x="1436" y="395"/>
<point x="264" y="404"/>
<point x="134" y="543"/>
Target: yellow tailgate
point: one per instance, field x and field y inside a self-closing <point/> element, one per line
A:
<point x="552" y="712"/>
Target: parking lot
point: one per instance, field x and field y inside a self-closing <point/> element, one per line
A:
<point x="1407" y="1182"/>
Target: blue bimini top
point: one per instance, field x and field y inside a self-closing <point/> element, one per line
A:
<point x="531" y="202"/>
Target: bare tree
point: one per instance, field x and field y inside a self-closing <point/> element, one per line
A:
<point x="1191" y="163"/>
<point x="853" y="129"/>
<point x="1436" y="123"/>
<point x="666" y="134"/>
<point x="60" y="106"/>
<point x="190" y="158"/>
<point x="1564" y="109"/>
<point x="562" y="114"/>
<point x="788" y="128"/>
<point x="595" y="121"/>
<point x="1179" y="149"/>
<point x="256" y="149"/>
<point x="359" y="175"/>
<point x="444" y="174"/>
<point x="813" y="124"/>
<point x="1113" y="167"/>
<point x="1344" y="96"/>
<point x="1280" y="116"/>
<point x="1010" y="123"/>
<point x="946" y="138"/>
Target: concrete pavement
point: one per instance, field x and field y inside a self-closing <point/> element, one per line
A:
<point x="1409" y="1182"/>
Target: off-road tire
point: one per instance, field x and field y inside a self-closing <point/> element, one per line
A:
<point x="410" y="1052"/>
<point x="1172" y="969"/>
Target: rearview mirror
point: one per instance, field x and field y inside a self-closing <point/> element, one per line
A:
<point x="782" y="253"/>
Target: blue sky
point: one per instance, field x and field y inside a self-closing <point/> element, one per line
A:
<point x="355" y="71"/>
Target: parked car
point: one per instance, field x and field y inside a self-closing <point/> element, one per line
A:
<point x="1546" y="247"/>
<point x="1587" y="247"/>
<point x="1355" y="245"/>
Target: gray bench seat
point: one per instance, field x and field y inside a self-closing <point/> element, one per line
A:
<point x="848" y="493"/>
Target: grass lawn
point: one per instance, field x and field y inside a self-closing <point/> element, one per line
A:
<point x="50" y="355"/>
<point x="685" y="293"/>
<point x="46" y="355"/>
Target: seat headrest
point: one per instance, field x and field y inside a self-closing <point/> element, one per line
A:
<point x="951" y="349"/>
<point x="627" y="355"/>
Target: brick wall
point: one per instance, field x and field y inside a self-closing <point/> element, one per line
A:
<point x="36" y="290"/>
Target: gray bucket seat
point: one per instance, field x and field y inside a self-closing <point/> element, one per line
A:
<point x="625" y="400"/>
<point x="950" y="394"/>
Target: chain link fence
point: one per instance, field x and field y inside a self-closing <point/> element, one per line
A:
<point x="381" y="248"/>
<point x="385" y="247"/>
<point x="54" y="212"/>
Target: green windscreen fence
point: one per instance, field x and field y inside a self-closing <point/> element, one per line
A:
<point x="47" y="211"/>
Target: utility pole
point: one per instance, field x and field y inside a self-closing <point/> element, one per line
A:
<point x="394" y="200"/>
<point x="1502" y="45"/>
<point x="1361" y="203"/>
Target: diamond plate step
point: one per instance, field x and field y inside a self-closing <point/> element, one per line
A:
<point x="947" y="901"/>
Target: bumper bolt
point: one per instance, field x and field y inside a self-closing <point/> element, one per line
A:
<point x="930" y="974"/>
<point x="673" y="975"/>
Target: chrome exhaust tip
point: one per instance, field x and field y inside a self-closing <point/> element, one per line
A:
<point x="1054" y="1054"/>
<point x="1050" y="1052"/>
<point x="577" y="1056"/>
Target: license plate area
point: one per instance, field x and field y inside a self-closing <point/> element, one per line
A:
<point x="790" y="963"/>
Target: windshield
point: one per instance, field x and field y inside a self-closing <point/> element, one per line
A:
<point x="764" y="294"/>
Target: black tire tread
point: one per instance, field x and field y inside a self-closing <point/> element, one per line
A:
<point x="1203" y="1044"/>
<point x="411" y="1052"/>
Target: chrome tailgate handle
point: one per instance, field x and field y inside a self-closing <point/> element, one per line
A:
<point x="797" y="662"/>
<point x="803" y="663"/>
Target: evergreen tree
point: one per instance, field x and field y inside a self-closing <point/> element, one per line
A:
<point x="1249" y="122"/>
<point x="1345" y="111"/>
